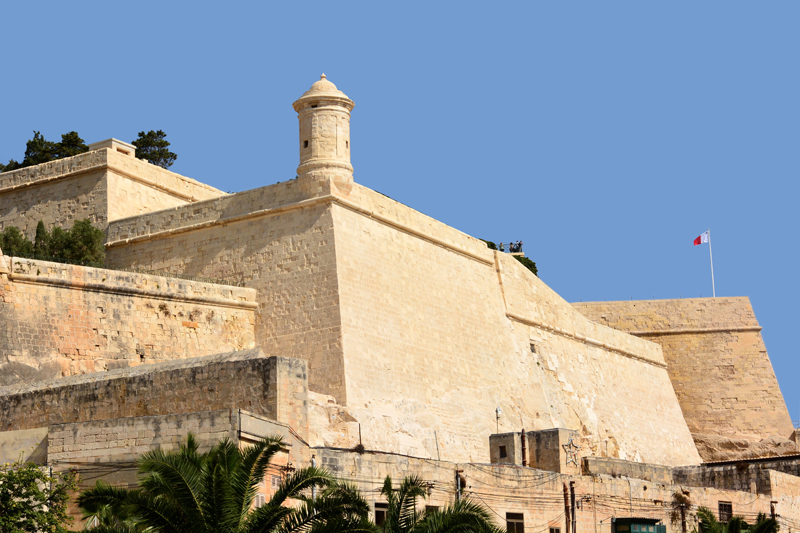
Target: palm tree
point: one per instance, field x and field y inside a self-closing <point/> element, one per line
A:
<point x="678" y="507"/>
<point x="184" y="491"/>
<point x="463" y="516"/>
<point x="709" y="524"/>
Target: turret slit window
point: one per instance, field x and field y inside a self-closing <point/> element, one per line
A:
<point x="305" y="144"/>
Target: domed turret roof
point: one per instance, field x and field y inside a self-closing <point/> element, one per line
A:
<point x="323" y="88"/>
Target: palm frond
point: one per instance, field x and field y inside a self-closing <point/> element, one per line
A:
<point x="252" y="468"/>
<point x="302" y="479"/>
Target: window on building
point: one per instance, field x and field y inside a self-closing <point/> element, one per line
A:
<point x="431" y="508"/>
<point x="725" y="511"/>
<point x="276" y="482"/>
<point x="515" y="522"/>
<point x="380" y="513"/>
<point x="260" y="499"/>
<point x="555" y="530"/>
<point x="503" y="452"/>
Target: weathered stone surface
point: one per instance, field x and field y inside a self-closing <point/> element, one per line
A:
<point x="58" y="320"/>
<point x="719" y="448"/>
<point x="718" y="365"/>
<point x="274" y="387"/>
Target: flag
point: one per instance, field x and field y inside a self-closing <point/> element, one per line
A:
<point x="702" y="239"/>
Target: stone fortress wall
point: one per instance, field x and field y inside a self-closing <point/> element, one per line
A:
<point x="362" y="320"/>
<point x="412" y="328"/>
<point x="718" y="365"/>
<point x="59" y="320"/>
<point x="100" y="185"/>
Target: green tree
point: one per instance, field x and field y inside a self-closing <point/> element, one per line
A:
<point x="463" y="516"/>
<point x="153" y="147"/>
<point x="41" y="243"/>
<point x="527" y="263"/>
<point x="71" y="144"/>
<point x="14" y="242"/>
<point x="82" y="243"/>
<point x="185" y="491"/>
<point x="39" y="150"/>
<point x="32" y="501"/>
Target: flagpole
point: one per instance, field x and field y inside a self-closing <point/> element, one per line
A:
<point x="711" y="257"/>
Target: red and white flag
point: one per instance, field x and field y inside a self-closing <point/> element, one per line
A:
<point x="702" y="239"/>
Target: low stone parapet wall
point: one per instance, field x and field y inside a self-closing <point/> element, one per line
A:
<point x="274" y="387"/>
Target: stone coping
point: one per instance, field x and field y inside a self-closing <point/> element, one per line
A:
<point x="134" y="371"/>
<point x="118" y="282"/>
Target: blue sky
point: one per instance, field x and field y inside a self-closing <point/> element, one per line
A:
<point x="605" y="135"/>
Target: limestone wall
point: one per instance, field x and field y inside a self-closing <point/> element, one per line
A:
<point x="716" y="359"/>
<point x="101" y="185"/>
<point x="238" y="380"/>
<point x="273" y="241"/>
<point x="415" y="330"/>
<point x="59" y="320"/>
<point x="437" y="332"/>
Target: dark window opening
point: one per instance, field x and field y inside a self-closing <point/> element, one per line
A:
<point x="503" y="452"/>
<point x="380" y="513"/>
<point x="533" y="348"/>
<point x="555" y="530"/>
<point x="515" y="522"/>
<point x="725" y="511"/>
<point x="305" y="144"/>
<point x="431" y="508"/>
<point x="347" y="144"/>
<point x="313" y="107"/>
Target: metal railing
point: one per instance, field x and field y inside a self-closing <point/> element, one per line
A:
<point x="132" y="270"/>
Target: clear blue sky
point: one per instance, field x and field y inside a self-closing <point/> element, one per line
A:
<point x="605" y="135"/>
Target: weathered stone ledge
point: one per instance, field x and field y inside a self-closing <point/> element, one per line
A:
<point x="689" y="331"/>
<point x="55" y="274"/>
<point x="584" y="339"/>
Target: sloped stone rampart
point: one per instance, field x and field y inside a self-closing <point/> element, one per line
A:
<point x="417" y="330"/>
<point x="274" y="387"/>
<point x="716" y="360"/>
<point x="59" y="320"/>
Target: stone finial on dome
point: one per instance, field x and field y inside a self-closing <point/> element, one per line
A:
<point x="323" y="89"/>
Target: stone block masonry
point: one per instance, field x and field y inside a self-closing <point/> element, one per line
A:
<point x="415" y="329"/>
<point x="274" y="240"/>
<point x="716" y="360"/>
<point x="273" y="387"/>
<point x="100" y="185"/>
<point x="58" y="320"/>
